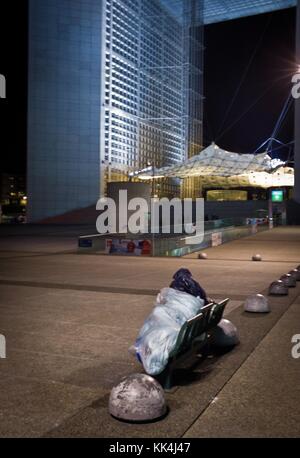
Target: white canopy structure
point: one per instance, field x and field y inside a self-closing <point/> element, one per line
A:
<point x="225" y="169"/>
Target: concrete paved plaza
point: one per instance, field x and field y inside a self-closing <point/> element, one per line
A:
<point x="69" y="319"/>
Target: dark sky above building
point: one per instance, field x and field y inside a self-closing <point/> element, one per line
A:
<point x="248" y="67"/>
<point x="13" y="65"/>
<point x="264" y="45"/>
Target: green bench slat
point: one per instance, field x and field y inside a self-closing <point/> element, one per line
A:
<point x="192" y="336"/>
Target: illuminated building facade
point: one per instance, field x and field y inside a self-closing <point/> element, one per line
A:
<point x="150" y="71"/>
<point x="113" y="86"/>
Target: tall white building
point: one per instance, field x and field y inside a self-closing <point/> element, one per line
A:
<point x="150" y="71"/>
<point x="114" y="85"/>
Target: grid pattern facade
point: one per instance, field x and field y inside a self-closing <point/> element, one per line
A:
<point x="224" y="10"/>
<point x="63" y="106"/>
<point x="113" y="86"/>
<point x="149" y="70"/>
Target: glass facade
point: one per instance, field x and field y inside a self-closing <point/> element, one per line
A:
<point x="224" y="10"/>
<point x="114" y="85"/>
<point x="153" y="85"/>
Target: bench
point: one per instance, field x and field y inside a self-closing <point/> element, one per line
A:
<point x="193" y="337"/>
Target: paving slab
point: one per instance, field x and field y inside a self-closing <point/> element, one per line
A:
<point x="39" y="405"/>
<point x="146" y="274"/>
<point x="280" y="244"/>
<point x="196" y="389"/>
<point x="262" y="397"/>
<point x="69" y="320"/>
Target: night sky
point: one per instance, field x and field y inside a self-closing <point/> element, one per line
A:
<point x="265" y="45"/>
<point x="13" y="64"/>
<point x="267" y="41"/>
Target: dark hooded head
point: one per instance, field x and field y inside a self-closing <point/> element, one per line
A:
<point x="183" y="281"/>
<point x="181" y="273"/>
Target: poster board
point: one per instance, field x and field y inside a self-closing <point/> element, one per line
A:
<point x="216" y="238"/>
<point x="129" y="247"/>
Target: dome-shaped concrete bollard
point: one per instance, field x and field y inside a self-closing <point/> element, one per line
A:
<point x="225" y="334"/>
<point x="138" y="397"/>
<point x="202" y="256"/>
<point x="296" y="274"/>
<point x="257" y="303"/>
<point x="256" y="257"/>
<point x="288" y="280"/>
<point x="278" y="288"/>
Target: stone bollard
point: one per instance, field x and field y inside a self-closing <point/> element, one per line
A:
<point x="278" y="288"/>
<point x="202" y="256"/>
<point x="256" y="257"/>
<point x="137" y="398"/>
<point x="296" y="274"/>
<point x="225" y="334"/>
<point x="288" y="280"/>
<point x="257" y="303"/>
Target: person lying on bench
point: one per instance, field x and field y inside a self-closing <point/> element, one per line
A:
<point x="174" y="306"/>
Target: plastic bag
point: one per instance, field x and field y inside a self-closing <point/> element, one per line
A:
<point x="158" y="336"/>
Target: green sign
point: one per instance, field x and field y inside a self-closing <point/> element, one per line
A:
<point x="277" y="196"/>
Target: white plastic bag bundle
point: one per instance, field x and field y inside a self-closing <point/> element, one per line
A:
<point x="157" y="338"/>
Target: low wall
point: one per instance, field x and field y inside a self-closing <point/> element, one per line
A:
<point x="233" y="209"/>
<point x="180" y="247"/>
<point x="171" y="245"/>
